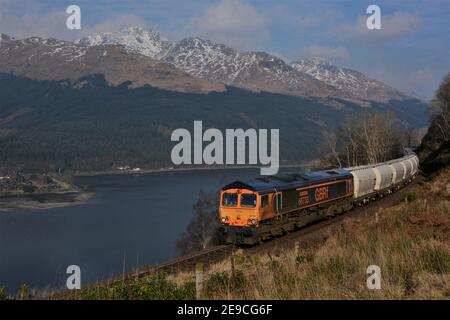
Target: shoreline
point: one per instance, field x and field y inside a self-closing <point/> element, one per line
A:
<point x="10" y="202"/>
<point x="41" y="201"/>
<point x="183" y="169"/>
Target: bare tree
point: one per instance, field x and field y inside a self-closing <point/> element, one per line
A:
<point x="331" y="139"/>
<point x="204" y="230"/>
<point x="365" y="138"/>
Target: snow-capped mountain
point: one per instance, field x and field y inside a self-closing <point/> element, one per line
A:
<point x="347" y="80"/>
<point x="217" y="62"/>
<point x="206" y="59"/>
<point x="35" y="49"/>
<point x="135" y="40"/>
<point x="144" y="57"/>
<point x="105" y="90"/>
<point x="251" y="70"/>
<point x="52" y="59"/>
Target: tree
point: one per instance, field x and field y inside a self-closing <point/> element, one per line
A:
<point x="330" y="139"/>
<point x="434" y="150"/>
<point x="204" y="230"/>
<point x="439" y="109"/>
<point x="366" y="138"/>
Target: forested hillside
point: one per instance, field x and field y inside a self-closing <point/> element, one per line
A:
<point x="435" y="147"/>
<point x="92" y="126"/>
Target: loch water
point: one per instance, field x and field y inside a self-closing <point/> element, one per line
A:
<point x="131" y="221"/>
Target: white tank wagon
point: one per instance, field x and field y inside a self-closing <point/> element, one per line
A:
<point x="370" y="182"/>
<point x="409" y="168"/>
<point x="364" y="181"/>
<point x="399" y="170"/>
<point x="404" y="168"/>
<point x="415" y="163"/>
<point x="384" y="176"/>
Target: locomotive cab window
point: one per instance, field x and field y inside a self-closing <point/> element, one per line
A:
<point x="229" y="200"/>
<point x="264" y="201"/>
<point x="248" y="200"/>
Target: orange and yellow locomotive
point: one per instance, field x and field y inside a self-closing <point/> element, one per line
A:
<point x="254" y="211"/>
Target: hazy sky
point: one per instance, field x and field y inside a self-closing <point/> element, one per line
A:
<point x="411" y="52"/>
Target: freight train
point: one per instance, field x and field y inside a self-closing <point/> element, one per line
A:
<point x="255" y="211"/>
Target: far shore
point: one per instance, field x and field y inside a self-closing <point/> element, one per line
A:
<point x="11" y="201"/>
<point x="14" y="201"/>
<point x="180" y="169"/>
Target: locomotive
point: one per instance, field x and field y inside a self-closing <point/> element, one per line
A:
<point x="257" y="210"/>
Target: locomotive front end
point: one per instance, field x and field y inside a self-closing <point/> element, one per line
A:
<point x="238" y="208"/>
<point x="238" y="213"/>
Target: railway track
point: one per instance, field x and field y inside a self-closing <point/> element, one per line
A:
<point x="187" y="263"/>
<point x="184" y="263"/>
<point x="209" y="256"/>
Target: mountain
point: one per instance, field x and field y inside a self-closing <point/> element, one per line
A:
<point x="52" y="59"/>
<point x="50" y="125"/>
<point x="204" y="59"/>
<point x="347" y="80"/>
<point x="135" y="40"/>
<point x="143" y="57"/>
<point x="257" y="71"/>
<point x="114" y="99"/>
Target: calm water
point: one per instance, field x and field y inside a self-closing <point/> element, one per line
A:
<point x="131" y="218"/>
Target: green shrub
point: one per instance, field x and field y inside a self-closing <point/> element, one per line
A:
<point x="411" y="197"/>
<point x="218" y="282"/>
<point x="3" y="294"/>
<point x="436" y="260"/>
<point x="152" y="287"/>
<point x="222" y="282"/>
<point x="28" y="188"/>
<point x="24" y="292"/>
<point x="301" y="259"/>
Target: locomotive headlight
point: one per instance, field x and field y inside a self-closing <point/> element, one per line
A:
<point x="252" y="222"/>
<point x="224" y="219"/>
